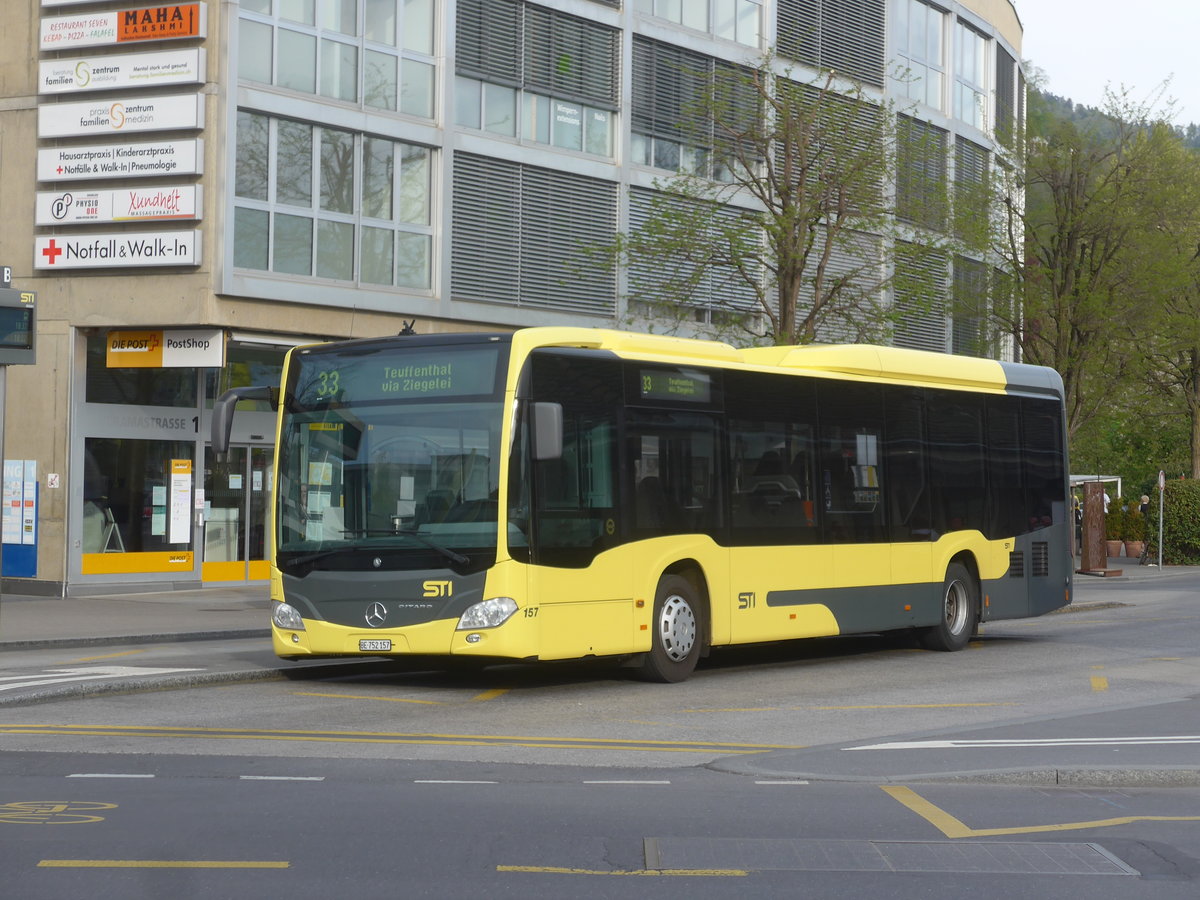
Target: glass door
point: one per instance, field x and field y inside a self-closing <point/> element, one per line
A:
<point x="235" y="503"/>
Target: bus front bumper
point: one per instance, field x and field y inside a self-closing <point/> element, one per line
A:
<point x="515" y="639"/>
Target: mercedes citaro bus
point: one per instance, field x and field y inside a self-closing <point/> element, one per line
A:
<point x="558" y="493"/>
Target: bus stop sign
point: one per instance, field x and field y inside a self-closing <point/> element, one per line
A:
<point x="18" y="325"/>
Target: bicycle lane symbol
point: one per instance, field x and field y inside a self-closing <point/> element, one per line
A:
<point x="52" y="812"/>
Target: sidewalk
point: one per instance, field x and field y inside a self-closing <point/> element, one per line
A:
<point x="220" y="612"/>
<point x="27" y="621"/>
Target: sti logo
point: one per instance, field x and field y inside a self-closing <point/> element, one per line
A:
<point x="438" y="588"/>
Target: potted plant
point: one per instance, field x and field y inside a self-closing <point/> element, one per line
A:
<point x="1134" y="532"/>
<point x="1114" y="525"/>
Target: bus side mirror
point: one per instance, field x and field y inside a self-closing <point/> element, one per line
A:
<point x="547" y="431"/>
<point x="222" y="414"/>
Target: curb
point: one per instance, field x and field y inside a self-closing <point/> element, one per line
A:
<point x="166" y="637"/>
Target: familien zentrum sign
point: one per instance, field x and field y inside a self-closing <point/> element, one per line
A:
<point x="141" y="160"/>
<point x="170" y="348"/>
<point x="128" y="249"/>
<point x="150" y="23"/>
<point x="106" y="73"/>
<point x="177" y="201"/>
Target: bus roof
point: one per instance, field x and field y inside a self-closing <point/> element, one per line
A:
<point x="865" y="361"/>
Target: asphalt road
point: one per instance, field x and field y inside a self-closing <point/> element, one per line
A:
<point x="1055" y="757"/>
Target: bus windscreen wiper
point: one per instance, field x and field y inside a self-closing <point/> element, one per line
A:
<point x="416" y="536"/>
<point x="322" y="554"/>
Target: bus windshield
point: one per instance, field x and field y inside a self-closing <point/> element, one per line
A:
<point x="389" y="458"/>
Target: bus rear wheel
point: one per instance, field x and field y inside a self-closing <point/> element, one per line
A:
<point x="960" y="605"/>
<point x="676" y="629"/>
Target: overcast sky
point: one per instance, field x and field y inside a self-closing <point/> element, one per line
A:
<point x="1082" y="45"/>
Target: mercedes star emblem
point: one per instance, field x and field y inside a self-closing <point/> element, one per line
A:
<point x="376" y="614"/>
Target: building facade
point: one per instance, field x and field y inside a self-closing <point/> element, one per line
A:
<point x="192" y="188"/>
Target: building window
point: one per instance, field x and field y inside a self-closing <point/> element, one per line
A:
<point x="970" y="76"/>
<point x="135" y="387"/>
<point x="847" y="36"/>
<point x="126" y="495"/>
<point x="1006" y="106"/>
<point x="316" y="201"/>
<point x="972" y="188"/>
<point x="383" y="59"/>
<point x="534" y="73"/>
<point x="919" y="67"/>
<point x="968" y="330"/>
<point x="921" y="170"/>
<point x="919" y="298"/>
<point x="522" y="236"/>
<point x="733" y="20"/>
<point x="669" y="126"/>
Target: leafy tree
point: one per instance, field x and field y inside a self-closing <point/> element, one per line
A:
<point x="1076" y="244"/>
<point x="784" y="215"/>
<point x="1173" y="347"/>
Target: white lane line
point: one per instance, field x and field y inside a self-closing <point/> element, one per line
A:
<point x="781" y="782"/>
<point x="282" y="777"/>
<point x="106" y="775"/>
<point x="626" y="782"/>
<point x="89" y="673"/>
<point x="1031" y="742"/>
<point x="449" y="781"/>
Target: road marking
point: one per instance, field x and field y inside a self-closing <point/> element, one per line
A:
<point x="489" y="695"/>
<point x="561" y="870"/>
<point x="449" y="781"/>
<point x="162" y="864"/>
<point x="366" y="697"/>
<point x="1099" y="683"/>
<point x="52" y="812"/>
<point x="106" y="775"/>
<point x="108" y="656"/>
<point x="954" y="828"/>
<point x="387" y="737"/>
<point x="619" y="781"/>
<point x="781" y="782"/>
<point x="1031" y="742"/>
<point x="92" y="673"/>
<point x="281" y="777"/>
<point x="842" y="708"/>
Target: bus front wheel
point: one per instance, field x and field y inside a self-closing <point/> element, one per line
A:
<point x="960" y="605"/>
<point x="676" y="627"/>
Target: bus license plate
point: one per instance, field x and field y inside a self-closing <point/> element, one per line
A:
<point x="375" y="645"/>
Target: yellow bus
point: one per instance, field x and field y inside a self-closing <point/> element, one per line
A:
<point x="559" y="493"/>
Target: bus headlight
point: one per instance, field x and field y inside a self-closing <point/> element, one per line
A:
<point x="286" y="617"/>
<point x="487" y="614"/>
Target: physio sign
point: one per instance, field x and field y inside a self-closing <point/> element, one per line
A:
<point x="165" y="349"/>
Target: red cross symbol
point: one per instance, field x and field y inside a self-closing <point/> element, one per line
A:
<point x="52" y="252"/>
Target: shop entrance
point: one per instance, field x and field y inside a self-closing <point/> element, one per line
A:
<point x="236" y="492"/>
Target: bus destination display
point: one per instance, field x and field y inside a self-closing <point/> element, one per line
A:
<point x="353" y="378"/>
<point x="675" y="384"/>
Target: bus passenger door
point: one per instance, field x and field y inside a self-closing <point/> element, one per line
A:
<point x="581" y="582"/>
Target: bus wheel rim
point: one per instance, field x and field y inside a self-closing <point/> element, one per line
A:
<point x="677" y="628"/>
<point x="956" y="606"/>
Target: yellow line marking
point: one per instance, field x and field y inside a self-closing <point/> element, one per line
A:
<point x="1099" y="683"/>
<point x="385" y="737"/>
<point x="489" y="695"/>
<point x="161" y="864"/>
<point x="108" y="656"/>
<point x="561" y="870"/>
<point x="365" y="697"/>
<point x="953" y="828"/>
<point x="831" y="708"/>
<point x="923" y="706"/>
